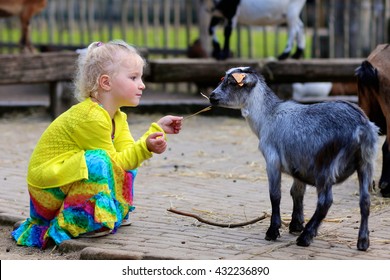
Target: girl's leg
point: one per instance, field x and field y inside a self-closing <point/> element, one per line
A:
<point x="101" y="202"/>
<point x="44" y="206"/>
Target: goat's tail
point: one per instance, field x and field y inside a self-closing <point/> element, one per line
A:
<point x="367" y="76"/>
<point x="369" y="145"/>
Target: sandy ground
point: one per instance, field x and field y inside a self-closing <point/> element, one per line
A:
<point x="10" y="251"/>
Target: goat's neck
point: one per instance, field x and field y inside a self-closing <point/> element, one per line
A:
<point x="259" y="108"/>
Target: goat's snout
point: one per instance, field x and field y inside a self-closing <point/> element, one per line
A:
<point x="214" y="99"/>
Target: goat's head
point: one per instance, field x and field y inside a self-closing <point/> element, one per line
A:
<point x="235" y="88"/>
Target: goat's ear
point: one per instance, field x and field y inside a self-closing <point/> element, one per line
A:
<point x="244" y="79"/>
<point x="239" y="77"/>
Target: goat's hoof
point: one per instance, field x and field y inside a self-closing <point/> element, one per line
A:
<point x="295" y="227"/>
<point x="298" y="54"/>
<point x="272" y="234"/>
<point x="383" y="185"/>
<point x="385" y="188"/>
<point x="363" y="244"/>
<point x="284" y="56"/>
<point x="221" y="56"/>
<point x="304" y="240"/>
<point x="385" y="193"/>
<point x="216" y="55"/>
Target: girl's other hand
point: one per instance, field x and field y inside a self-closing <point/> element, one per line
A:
<point x="170" y="124"/>
<point x="156" y="143"/>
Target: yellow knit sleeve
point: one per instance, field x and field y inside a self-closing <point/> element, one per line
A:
<point x="126" y="152"/>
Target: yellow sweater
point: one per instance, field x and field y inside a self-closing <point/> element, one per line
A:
<point x="58" y="158"/>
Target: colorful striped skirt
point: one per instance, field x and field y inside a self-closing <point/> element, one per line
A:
<point x="98" y="203"/>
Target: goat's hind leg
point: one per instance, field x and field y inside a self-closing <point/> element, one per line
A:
<point x="300" y="41"/>
<point x="293" y="29"/>
<point x="384" y="182"/>
<point x="364" y="184"/>
<point x="297" y="218"/>
<point x="325" y="200"/>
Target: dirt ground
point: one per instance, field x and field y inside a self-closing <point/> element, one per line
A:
<point x="10" y="251"/>
<point x="210" y="148"/>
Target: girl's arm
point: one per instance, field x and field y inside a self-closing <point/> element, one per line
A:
<point x="126" y="152"/>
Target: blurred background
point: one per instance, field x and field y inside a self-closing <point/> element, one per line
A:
<point x="172" y="28"/>
<point x="348" y="28"/>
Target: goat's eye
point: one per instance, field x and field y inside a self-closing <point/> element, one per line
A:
<point x="222" y="78"/>
<point x="231" y="81"/>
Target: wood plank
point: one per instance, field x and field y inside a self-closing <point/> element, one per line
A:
<point x="61" y="66"/>
<point x="289" y="71"/>
<point x="37" y="68"/>
<point x="193" y="70"/>
<point x="311" y="70"/>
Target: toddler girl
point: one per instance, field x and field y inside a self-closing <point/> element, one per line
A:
<point x="81" y="173"/>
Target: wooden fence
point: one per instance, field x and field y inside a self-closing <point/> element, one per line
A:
<point x="348" y="28"/>
<point x="165" y="28"/>
<point x="56" y="67"/>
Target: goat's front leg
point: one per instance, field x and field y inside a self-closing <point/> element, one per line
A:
<point x="325" y="200"/>
<point x="216" y="46"/>
<point x="226" y="46"/>
<point x="297" y="218"/>
<point x="25" y="43"/>
<point x="274" y="180"/>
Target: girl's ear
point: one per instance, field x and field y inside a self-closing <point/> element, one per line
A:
<point x="104" y="82"/>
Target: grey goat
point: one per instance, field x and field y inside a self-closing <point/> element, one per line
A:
<point x="319" y="144"/>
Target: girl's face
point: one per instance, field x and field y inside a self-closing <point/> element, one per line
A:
<point x="126" y="83"/>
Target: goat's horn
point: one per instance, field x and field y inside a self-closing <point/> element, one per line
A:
<point x="239" y="77"/>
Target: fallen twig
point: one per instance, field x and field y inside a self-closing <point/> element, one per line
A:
<point x="219" y="224"/>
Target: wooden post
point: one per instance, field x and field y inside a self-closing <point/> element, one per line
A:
<point x="387" y="21"/>
<point x="54" y="100"/>
<point x="204" y="20"/>
<point x="365" y="26"/>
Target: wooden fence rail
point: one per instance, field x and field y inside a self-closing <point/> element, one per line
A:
<point x="290" y="71"/>
<point x="57" y="67"/>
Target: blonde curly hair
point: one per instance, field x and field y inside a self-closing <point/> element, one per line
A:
<point x="99" y="59"/>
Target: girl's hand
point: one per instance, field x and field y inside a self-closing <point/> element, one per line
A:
<point x="170" y="124"/>
<point x="156" y="143"/>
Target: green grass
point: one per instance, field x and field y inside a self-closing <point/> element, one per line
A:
<point x="263" y="44"/>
